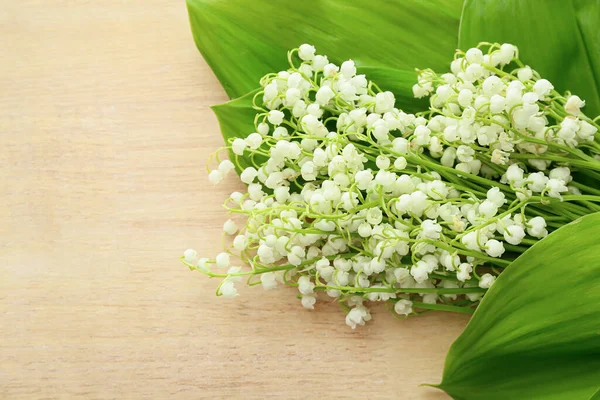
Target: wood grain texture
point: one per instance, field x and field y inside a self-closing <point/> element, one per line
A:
<point x="105" y="131"/>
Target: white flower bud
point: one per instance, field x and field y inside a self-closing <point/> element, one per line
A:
<point x="305" y="286"/>
<point x="309" y="171"/>
<point x="524" y="74"/>
<point x="586" y="131"/>
<point x="268" y="280"/>
<point x="400" y="163"/>
<point x="507" y="53"/>
<point x="555" y="187"/>
<point x="403" y="307"/>
<point x="562" y="173"/>
<point x="364" y="230"/>
<point x="248" y="175"/>
<point x="486" y="281"/>
<point x="292" y="95"/>
<point x="271" y="92"/>
<point x="225" y="167"/>
<point x="474" y="72"/>
<point x="238" y="146"/>
<point x="357" y="316"/>
<point x="494" y="248"/>
<point x="497" y="104"/>
<point x="470" y="240"/>
<point x="400" y="145"/>
<point x="513" y="234"/>
<point x="419" y="272"/>
<point x="263" y="129"/>
<point x="324" y="95"/>
<point x="431" y="229"/>
<point x="222" y="260"/>
<point x="330" y="70"/>
<point x="422" y="90"/>
<point x="492" y="85"/>
<point x="215" y="176"/>
<point x="542" y="88"/>
<point x="465" y="153"/>
<point x="240" y="242"/>
<point x="488" y="209"/>
<point x="465" y="97"/>
<point x="464" y="271"/>
<point x="536" y="227"/>
<point x="499" y="157"/>
<point x="382" y="162"/>
<point x="537" y="181"/>
<point x="306" y="52"/>
<point x="363" y="179"/>
<point x="230" y="227"/>
<point x="514" y="175"/>
<point x="574" y="105"/>
<point x="474" y="55"/>
<point x="308" y="301"/>
<point x="275" y="117"/>
<point x="319" y="62"/>
<point x="228" y="289"/>
<point x="348" y="69"/>
<point x="190" y="256"/>
<point x="496" y="196"/>
<point x="384" y="102"/>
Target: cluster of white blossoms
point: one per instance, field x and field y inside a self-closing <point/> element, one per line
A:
<point x="487" y="119"/>
<point x="349" y="196"/>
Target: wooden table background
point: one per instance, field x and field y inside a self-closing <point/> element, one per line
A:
<point x="105" y="130"/>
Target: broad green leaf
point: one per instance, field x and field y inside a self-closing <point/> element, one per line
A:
<point x="236" y="117"/>
<point x="596" y="396"/>
<point x="243" y="40"/>
<point x="536" y="333"/>
<point x="558" y="38"/>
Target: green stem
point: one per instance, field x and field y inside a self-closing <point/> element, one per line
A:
<point x="579" y="163"/>
<point x="352" y="289"/>
<point x="443" y="307"/>
<point x="585" y="188"/>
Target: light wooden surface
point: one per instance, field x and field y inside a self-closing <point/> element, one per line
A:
<point x="105" y="130"/>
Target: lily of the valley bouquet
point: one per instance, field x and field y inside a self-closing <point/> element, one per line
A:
<point x="429" y="191"/>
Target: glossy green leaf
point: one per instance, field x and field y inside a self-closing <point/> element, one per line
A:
<point x="236" y="117"/>
<point x="243" y="40"/>
<point x="558" y="38"/>
<point x="536" y="334"/>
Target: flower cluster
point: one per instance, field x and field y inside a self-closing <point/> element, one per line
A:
<point x="487" y="120"/>
<point x="350" y="196"/>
